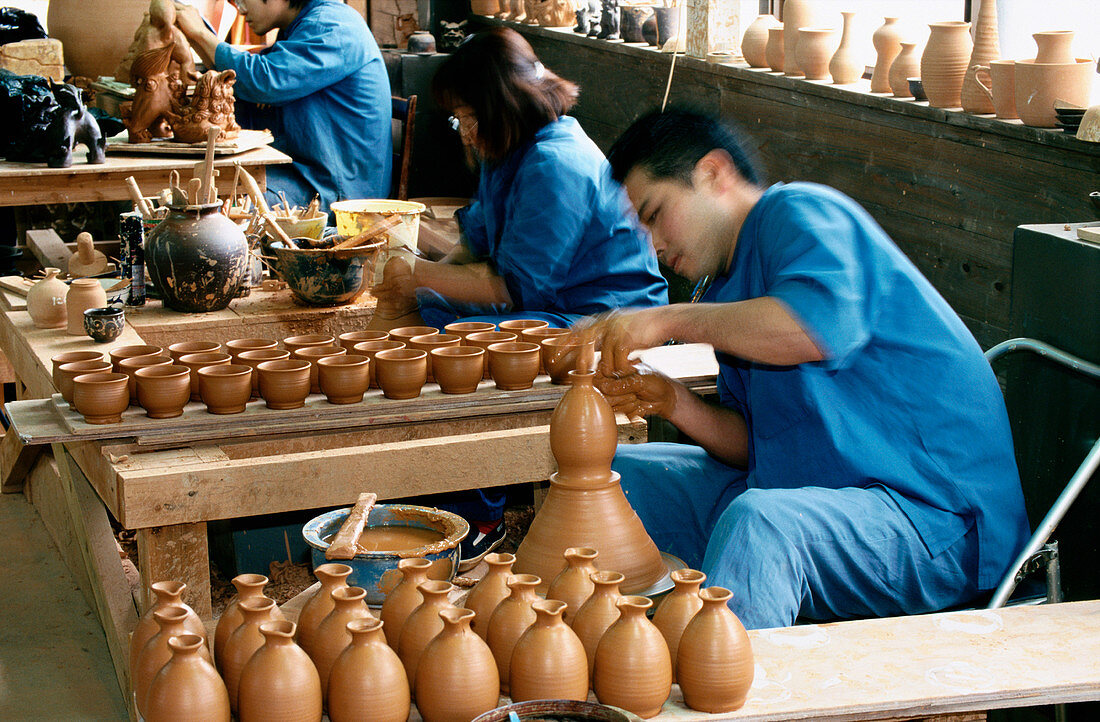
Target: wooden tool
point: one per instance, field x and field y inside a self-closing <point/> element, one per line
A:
<point x="194" y="188"/>
<point x="252" y="188"/>
<point x="207" y="176"/>
<point x="345" y="544"/>
<point x="178" y="196"/>
<point x="273" y="228"/>
<point x="369" y="235"/>
<point x="143" y="206"/>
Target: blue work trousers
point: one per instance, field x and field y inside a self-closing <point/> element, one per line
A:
<point x="810" y="552"/>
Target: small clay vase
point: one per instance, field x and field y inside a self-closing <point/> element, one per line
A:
<point x="458" y="369"/>
<point x="573" y="585"/>
<point x="422" y="625"/>
<point x="431" y="341"/>
<point x="284" y="384"/>
<point x="121" y="352"/>
<point x="332" y="637"/>
<point x="248" y="586"/>
<point x="797" y="14"/>
<point x="187" y="688"/>
<point x="253" y="358"/>
<point x="815" y="47"/>
<point x="369" y="349"/>
<point x="349" y="339"/>
<point x="401" y="372"/>
<point x="513" y="364"/>
<point x="279" y="681"/>
<point x="63" y="377"/>
<point x="1054" y="46"/>
<point x="129" y="366"/>
<point x="488" y="593"/>
<point x="465" y="328"/>
<point x="332" y="576"/>
<point x="456" y="659"/>
<point x="225" y="389"/>
<point x="633" y="668"/>
<point x="485" y="339"/>
<point x="165" y="594"/>
<point x="519" y="325"/>
<point x="754" y="42"/>
<point x="404" y="334"/>
<point x="46" y="301"/>
<point x="368" y="681"/>
<point x="101" y="397"/>
<point x="845" y="66"/>
<point x="84" y="293"/>
<point x="583" y="433"/>
<point x="422" y="42"/>
<point x="677" y="609"/>
<point x="598" y="613"/>
<point x="510" y="620"/>
<point x="72" y="357"/>
<point x="943" y="63"/>
<point x="562" y="354"/>
<point x="343" y="379"/>
<point x="313" y="354"/>
<point x="773" y="52"/>
<point x="237" y="345"/>
<point x="155" y="653"/>
<point x="196" y="361"/>
<point x="404" y="598"/>
<point x="548" y="661"/>
<point x="105" y="324"/>
<point x="906" y="65"/>
<point x="294" y="343"/>
<point x="183" y="348"/>
<point x="163" y="389"/>
<point x="714" y="665"/>
<point x="887" y="42"/>
<point x="244" y="641"/>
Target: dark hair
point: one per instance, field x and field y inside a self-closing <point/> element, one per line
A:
<point x="498" y="75"/>
<point x="668" y="144"/>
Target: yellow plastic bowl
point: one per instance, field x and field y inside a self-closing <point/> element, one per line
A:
<point x="356" y="216"/>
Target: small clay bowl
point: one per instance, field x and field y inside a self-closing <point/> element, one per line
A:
<point x="349" y="339"/>
<point x="560" y="355"/>
<point x="519" y="325"/>
<point x="485" y="339"/>
<point x="284" y="384"/>
<point x="344" y="379"/>
<point x="254" y="357"/>
<point x="104" y="324"/>
<point x="237" y="345"/>
<point x="514" y="364"/>
<point x="117" y="354"/>
<point x="101" y="397"/>
<point x="465" y="328"/>
<point x="916" y="88"/>
<point x="72" y="357"/>
<point x="536" y="335"/>
<point x="405" y="333"/>
<point x="181" y="349"/>
<point x="401" y="372"/>
<point x="294" y="343"/>
<point x="458" y="369"/>
<point x="129" y="365"/>
<point x="430" y="341"/>
<point x="225" y="389"/>
<point x="164" y="390"/>
<point x="311" y="354"/>
<point x="63" y="377"/>
<point x="370" y="348"/>
<point x="196" y="361"/>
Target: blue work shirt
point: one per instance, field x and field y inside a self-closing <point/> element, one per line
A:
<point x="904" y="399"/>
<point x="559" y="229"/>
<point x="329" y="93"/>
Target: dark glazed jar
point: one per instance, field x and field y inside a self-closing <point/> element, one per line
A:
<point x="198" y="258"/>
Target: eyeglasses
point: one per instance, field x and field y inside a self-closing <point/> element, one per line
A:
<point x="457" y="124"/>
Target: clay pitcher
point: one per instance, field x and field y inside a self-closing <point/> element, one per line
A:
<point x="574" y="584"/>
<point x="166" y="594"/>
<point x="249" y="586"/>
<point x="796" y="14"/>
<point x="845" y="66"/>
<point x="84" y="293"/>
<point x="46" y="301"/>
<point x="714" y="665"/>
<point x="490" y="591"/>
<point x="367" y="682"/>
<point x="598" y="613"/>
<point x="422" y="625"/>
<point x="156" y="653"/>
<point x="943" y="63"/>
<point x="887" y="42"/>
<point x="332" y="637"/>
<point x="754" y="42"/>
<point x="677" y="609"/>
<point x="510" y="620"/>
<point x="548" y="661"/>
<point x="906" y="65"/>
<point x="987" y="48"/>
<point x="245" y="640"/>
<point x="279" y="681"/>
<point x="187" y="688"/>
<point x="633" y="668"/>
<point x="403" y="598"/>
<point x="456" y="659"/>
<point x="314" y="611"/>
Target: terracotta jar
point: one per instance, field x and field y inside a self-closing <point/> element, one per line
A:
<point x="196" y="361"/>
<point x="84" y="293"/>
<point x="46" y="301"/>
<point x="255" y="357"/>
<point x="431" y="341"/>
<point x="678" y="608"/>
<point x="549" y="660"/>
<point x="488" y="593"/>
<point x="513" y="364"/>
<point x="244" y="641"/>
<point x="332" y="637"/>
<point x="510" y="620"/>
<point x="887" y="42"/>
<point x="72" y="357"/>
<point x="485" y="339"/>
<point x="465" y="328"/>
<point x="279" y="681"/>
<point x="237" y="345"/>
<point x="65" y="374"/>
<point x="456" y="659"/>
<point x="987" y="48"/>
<point x="183" y="348"/>
<point x="797" y="14"/>
<point x="405" y="333"/>
<point x="312" y="354"/>
<point x="367" y="682"/>
<point x="163" y="390"/>
<point x="754" y="43"/>
<point x="401" y="372"/>
<point x="101" y="397"/>
<point x="284" y="384"/>
<point x="121" y="352"/>
<point x="598" y="613"/>
<point x="155" y="653"/>
<point x="561" y="355"/>
<point x="458" y="369"/>
<point x="165" y="594"/>
<point x="187" y="688"/>
<point x="404" y="598"/>
<point x="95" y="33"/>
<point x="633" y="668"/>
<point x="714" y="666"/>
<point x="225" y="389"/>
<point x="943" y="63"/>
<point x="349" y="339"/>
<point x="248" y="586"/>
<point x="1054" y="46"/>
<point x="129" y="366"/>
<point x="573" y="585"/>
<point x="1001" y="87"/>
<point x="293" y="343"/>
<point x="815" y="47"/>
<point x="343" y="379"/>
<point x="773" y="52"/>
<point x="846" y="66"/>
<point x="906" y="65"/>
<point x="369" y="349"/>
<point x="332" y="576"/>
<point x="422" y="624"/>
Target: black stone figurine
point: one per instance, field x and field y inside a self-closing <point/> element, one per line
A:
<point x="609" y="21"/>
<point x="592" y="10"/>
<point x="41" y="121"/>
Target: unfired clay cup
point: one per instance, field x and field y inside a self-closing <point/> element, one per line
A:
<point x="101" y="397"/>
<point x="405" y="333"/>
<point x="1001" y="88"/>
<point x="344" y="379"/>
<point x="430" y="341"/>
<point x="370" y="348"/>
<point x="284" y="384"/>
<point x="560" y="355"/>
<point x="513" y="364"/>
<point x="129" y="365"/>
<point x="519" y="325"/>
<point x="238" y="345"/>
<point x="225" y="389"/>
<point x="485" y="339"/>
<point x="465" y="328"/>
<point x="163" y="390"/>
<point x="401" y="372"/>
<point x="312" y="354"/>
<point x="66" y="372"/>
<point x="257" y="356"/>
<point x="196" y="361"/>
<point x="536" y="335"/>
<point x="458" y="369"/>
<point x="178" y="350"/>
<point x="294" y="343"/>
<point x="349" y="339"/>
<point x="117" y="354"/>
<point x="72" y="357"/>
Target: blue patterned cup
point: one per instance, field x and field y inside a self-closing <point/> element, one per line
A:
<point x="104" y="324"/>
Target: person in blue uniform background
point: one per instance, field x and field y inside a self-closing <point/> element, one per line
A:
<point x="859" y="462"/>
<point x="321" y="88"/>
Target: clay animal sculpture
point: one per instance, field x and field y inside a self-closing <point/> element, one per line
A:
<point x="595" y="15"/>
<point x="150" y="112"/>
<point x="72" y="125"/>
<point x="41" y="121"/>
<point x="554" y="13"/>
<point x="609" y="20"/>
<point x="582" y="18"/>
<point x="451" y="36"/>
<point x="157" y="30"/>
<point x="212" y="105"/>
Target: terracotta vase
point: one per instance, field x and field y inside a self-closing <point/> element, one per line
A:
<point x="633" y="668"/>
<point x="284" y="384"/>
<point x="430" y="341"/>
<point x="401" y="372"/>
<point x="101" y="397"/>
<point x="367" y="682"/>
<point x="225" y="389"/>
<point x="754" y="42"/>
<point x="332" y="637"/>
<point x="773" y="52"/>
<point x="343" y="379"/>
<point x="987" y="48"/>
<point x="797" y="14"/>
<point x="163" y="390"/>
<point x="84" y="293"/>
<point x="404" y="598"/>
<point x="369" y="349"/>
<point x="510" y="620"/>
<point x="485" y="339"/>
<point x="1055" y="46"/>
<point x="236" y="346"/>
<point x="513" y="364"/>
<point x="598" y="613"/>
<point x="563" y="354"/>
<point x="129" y="366"/>
<point x="312" y="354"/>
<point x="63" y="379"/>
<point x="46" y="301"/>
<point x="422" y="624"/>
<point x="293" y="343"/>
<point x="887" y="42"/>
<point x="458" y="369"/>
<point x="183" y="348"/>
<point x="573" y="585"/>
<point x="155" y="653"/>
<point x="845" y="66"/>
<point x="187" y="688"/>
<point x="196" y="361"/>
<point x="279" y="682"/>
<point x="714" y="666"/>
<point x="677" y="609"/>
<point x="943" y="63"/>
<point x="95" y="33"/>
<point x="255" y="357"/>
<point x="488" y="593"/>
<point x="548" y="661"/>
<point x="248" y="586"/>
<point x="815" y="47"/>
<point x="906" y="65"/>
<point x="244" y="641"/>
<point x="332" y="576"/>
<point x="165" y="594"/>
<point x="456" y="659"/>
<point x="1001" y="89"/>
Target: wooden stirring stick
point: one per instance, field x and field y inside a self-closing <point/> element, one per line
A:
<point x="143" y="206"/>
<point x="345" y="544"/>
<point x="369" y="235"/>
<point x="274" y="229"/>
<point x="252" y="188"/>
<point x="207" y="176"/>
<point x="194" y="187"/>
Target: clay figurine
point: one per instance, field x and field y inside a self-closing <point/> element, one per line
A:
<point x="451" y="36"/>
<point x="41" y="121"/>
<point x="595" y="14"/>
<point x="609" y="21"/>
<point x="582" y="18"/>
<point x="211" y="105"/>
<point x="157" y="30"/>
<point x="152" y="106"/>
<point x="553" y="13"/>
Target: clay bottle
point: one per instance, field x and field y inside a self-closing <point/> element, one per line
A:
<point x="46" y="301"/>
<point x="548" y="661"/>
<point x="155" y="654"/>
<point x="367" y="682"/>
<point x="845" y="66"/>
<point x="677" y="609"/>
<point x="574" y="585"/>
<point x="332" y="638"/>
<point x="314" y="611"/>
<point x="279" y="681"/>
<point x="456" y="659"/>
<point x="166" y="594"/>
<point x="633" y="668"/>
<point x="187" y="688"/>
<point x="249" y="586"/>
<point x="714" y="665"/>
<point x="490" y="591"/>
<point x="404" y="598"/>
<point x="887" y="42"/>
<point x="754" y="42"/>
<point x="906" y="65"/>
<point x="598" y="613"/>
<point x="943" y="63"/>
<point x="583" y="433"/>
<point x="796" y="14"/>
<point x="422" y="625"/>
<point x="84" y="293"/>
<point x="987" y="48"/>
<point x="510" y="620"/>
<point x="244" y="641"/>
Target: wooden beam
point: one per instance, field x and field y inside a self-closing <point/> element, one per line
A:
<point x="176" y="553"/>
<point x="16" y="461"/>
<point x="49" y="249"/>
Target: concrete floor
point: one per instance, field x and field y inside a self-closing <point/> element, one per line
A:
<point x="54" y="663"/>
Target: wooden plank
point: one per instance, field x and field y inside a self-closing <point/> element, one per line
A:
<point x="16" y="460"/>
<point x="178" y="553"/>
<point x="49" y="249"/>
<point x="246" y="140"/>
